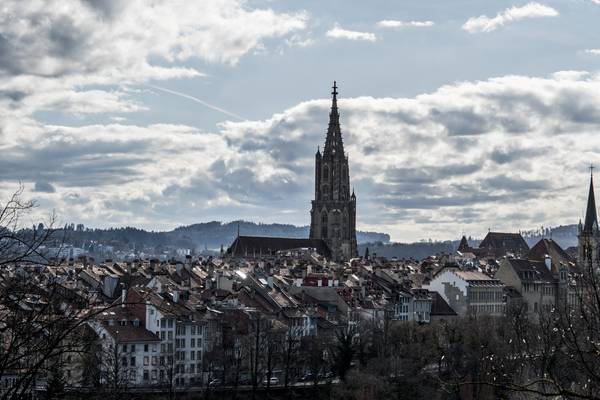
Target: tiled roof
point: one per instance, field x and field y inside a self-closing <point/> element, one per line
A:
<point x="512" y="242"/>
<point x="130" y="333"/>
<point x="551" y="248"/>
<point x="530" y="270"/>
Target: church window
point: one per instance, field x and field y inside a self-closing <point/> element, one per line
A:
<point x="325" y="173"/>
<point x="324" y="226"/>
<point x="325" y="192"/>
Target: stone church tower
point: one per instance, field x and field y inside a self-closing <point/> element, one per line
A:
<point x="588" y="248"/>
<point x="333" y="213"/>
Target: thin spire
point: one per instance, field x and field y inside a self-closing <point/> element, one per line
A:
<point x="333" y="143"/>
<point x="591" y="216"/>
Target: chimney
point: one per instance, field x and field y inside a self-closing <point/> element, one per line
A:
<point x="548" y="261"/>
<point x="123" y="297"/>
<point x="270" y="281"/>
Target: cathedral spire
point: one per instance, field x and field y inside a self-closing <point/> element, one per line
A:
<point x="591" y="216"/>
<point x="333" y="142"/>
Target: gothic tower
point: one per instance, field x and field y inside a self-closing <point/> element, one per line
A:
<point x="588" y="248"/>
<point x="333" y="213"/>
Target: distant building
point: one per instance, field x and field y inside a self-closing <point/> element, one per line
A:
<point x="333" y="213"/>
<point x="261" y="246"/>
<point x="496" y="245"/>
<point x="469" y="292"/>
<point x="543" y="285"/>
<point x="440" y="310"/>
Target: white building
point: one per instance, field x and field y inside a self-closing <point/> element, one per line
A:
<point x="469" y="292"/>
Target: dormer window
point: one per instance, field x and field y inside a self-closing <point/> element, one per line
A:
<point x="136" y="322"/>
<point x="123" y="322"/>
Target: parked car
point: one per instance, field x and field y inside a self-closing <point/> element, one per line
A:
<point x="307" y="378"/>
<point x="273" y="380"/>
<point x="215" y="382"/>
<point x="328" y="375"/>
<point x="245" y="381"/>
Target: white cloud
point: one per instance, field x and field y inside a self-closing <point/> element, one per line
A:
<point x="391" y="23"/>
<point x="339" y="33"/>
<point x="508" y="153"/>
<point x="498" y="153"/>
<point x="53" y="50"/>
<point x="595" y="52"/>
<point x="484" y="23"/>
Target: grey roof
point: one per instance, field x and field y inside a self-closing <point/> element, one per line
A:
<point x="530" y="270"/>
<point x="265" y="245"/>
<point x="512" y="242"/>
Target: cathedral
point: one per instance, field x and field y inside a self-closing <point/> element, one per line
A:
<point x="588" y="249"/>
<point x="333" y="213"/>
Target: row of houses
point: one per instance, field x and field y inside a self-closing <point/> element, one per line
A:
<point x="182" y="323"/>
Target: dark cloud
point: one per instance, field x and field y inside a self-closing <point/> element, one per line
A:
<point x="13" y="95"/>
<point x="430" y="174"/>
<point x="106" y="8"/>
<point x="506" y="155"/>
<point x="463" y="122"/>
<point x="75" y="162"/>
<point x="44" y="187"/>
<point x="417" y="201"/>
<point x="515" y="184"/>
<point x="243" y="185"/>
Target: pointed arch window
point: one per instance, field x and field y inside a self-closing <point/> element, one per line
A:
<point x="324" y="225"/>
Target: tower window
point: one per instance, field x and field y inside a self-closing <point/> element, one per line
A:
<point x="324" y="225"/>
<point x="325" y="191"/>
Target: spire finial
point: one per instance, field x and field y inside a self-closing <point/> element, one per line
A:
<point x="335" y="92"/>
<point x="592" y="170"/>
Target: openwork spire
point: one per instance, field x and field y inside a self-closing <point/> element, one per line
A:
<point x="333" y="143"/>
<point x="591" y="216"/>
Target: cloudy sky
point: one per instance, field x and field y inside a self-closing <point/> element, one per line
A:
<point x="458" y="116"/>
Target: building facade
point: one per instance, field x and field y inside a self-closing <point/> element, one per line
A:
<point x="333" y="213"/>
<point x="469" y="292"/>
<point x="542" y="285"/>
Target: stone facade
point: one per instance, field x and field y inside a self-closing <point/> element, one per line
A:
<point x="333" y="213"/>
<point x="542" y="285"/>
<point x="469" y="292"/>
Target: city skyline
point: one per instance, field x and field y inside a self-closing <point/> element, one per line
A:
<point x="456" y="118"/>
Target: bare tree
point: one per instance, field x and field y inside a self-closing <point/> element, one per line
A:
<point x="18" y="243"/>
